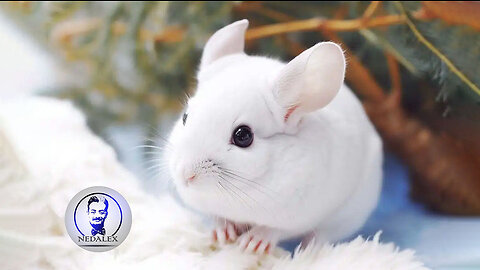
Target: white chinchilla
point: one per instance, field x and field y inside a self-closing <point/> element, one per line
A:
<point x="284" y="149"/>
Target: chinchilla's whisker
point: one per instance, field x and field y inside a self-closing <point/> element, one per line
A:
<point x="233" y="192"/>
<point x="154" y="151"/>
<point x="149" y="140"/>
<point x="153" y="154"/>
<point x="220" y="184"/>
<point x="229" y="192"/>
<point x="219" y="191"/>
<point x="267" y="211"/>
<point x="259" y="187"/>
<point x="154" y="137"/>
<point x="183" y="99"/>
<point x="155" y="160"/>
<point x="150" y="176"/>
<point x="228" y="171"/>
<point x="157" y="136"/>
<point x="225" y="174"/>
<point x="155" y="173"/>
<point x="164" y="140"/>
<point x="148" y="146"/>
<point x="270" y="196"/>
<point x="155" y="166"/>
<point x="228" y="199"/>
<point x="233" y="173"/>
<point x="155" y="148"/>
<point x="239" y="189"/>
<point x="236" y="195"/>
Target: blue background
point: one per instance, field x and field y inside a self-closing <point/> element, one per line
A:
<point x="441" y="241"/>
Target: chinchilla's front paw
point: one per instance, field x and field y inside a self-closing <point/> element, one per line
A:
<point x="225" y="231"/>
<point x="259" y="240"/>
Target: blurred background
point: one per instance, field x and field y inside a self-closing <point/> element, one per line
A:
<point x="130" y="65"/>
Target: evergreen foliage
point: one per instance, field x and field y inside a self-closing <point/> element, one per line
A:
<point x="137" y="60"/>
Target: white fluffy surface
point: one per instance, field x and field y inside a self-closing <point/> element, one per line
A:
<point x="47" y="155"/>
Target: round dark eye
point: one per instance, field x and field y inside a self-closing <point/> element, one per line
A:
<point x="242" y="136"/>
<point x="184" y="118"/>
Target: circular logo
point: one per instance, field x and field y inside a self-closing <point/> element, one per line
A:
<point x="98" y="219"/>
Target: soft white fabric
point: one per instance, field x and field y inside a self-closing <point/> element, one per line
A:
<point x="47" y="155"/>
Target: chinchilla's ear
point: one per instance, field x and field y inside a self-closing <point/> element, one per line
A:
<point x="310" y="81"/>
<point x="228" y="40"/>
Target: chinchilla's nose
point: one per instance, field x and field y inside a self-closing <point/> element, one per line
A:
<point x="194" y="168"/>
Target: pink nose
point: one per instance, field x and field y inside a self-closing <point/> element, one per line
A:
<point x="191" y="177"/>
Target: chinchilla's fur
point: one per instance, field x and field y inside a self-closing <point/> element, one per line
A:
<point x="314" y="166"/>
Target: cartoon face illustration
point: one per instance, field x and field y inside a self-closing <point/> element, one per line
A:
<point x="97" y="210"/>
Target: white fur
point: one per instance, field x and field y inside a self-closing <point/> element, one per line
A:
<point x="317" y="171"/>
<point x="48" y="154"/>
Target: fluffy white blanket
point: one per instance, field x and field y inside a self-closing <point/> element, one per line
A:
<point x="47" y="155"/>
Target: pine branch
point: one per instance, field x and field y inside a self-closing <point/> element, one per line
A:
<point x="436" y="51"/>
<point x="384" y="44"/>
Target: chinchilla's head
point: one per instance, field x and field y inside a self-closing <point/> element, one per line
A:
<point x="224" y="139"/>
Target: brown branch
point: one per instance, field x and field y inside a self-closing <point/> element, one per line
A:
<point x="357" y="74"/>
<point x="371" y="9"/>
<point x="395" y="79"/>
<point x="317" y="24"/>
<point x="65" y="31"/>
<point x="273" y="14"/>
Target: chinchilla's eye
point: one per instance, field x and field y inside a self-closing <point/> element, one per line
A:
<point x="242" y="136"/>
<point x="184" y="118"/>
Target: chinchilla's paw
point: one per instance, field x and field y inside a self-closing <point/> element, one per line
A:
<point x="225" y="231"/>
<point x="259" y="240"/>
